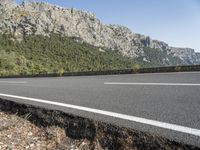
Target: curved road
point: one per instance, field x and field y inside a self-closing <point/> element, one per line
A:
<point x="161" y="104"/>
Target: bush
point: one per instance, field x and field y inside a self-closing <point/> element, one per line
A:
<point x="136" y="68"/>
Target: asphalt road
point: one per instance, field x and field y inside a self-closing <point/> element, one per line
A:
<point x="161" y="104"/>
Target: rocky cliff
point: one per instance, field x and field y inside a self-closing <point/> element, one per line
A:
<point x="187" y="55"/>
<point x="7" y="4"/>
<point x="43" y="19"/>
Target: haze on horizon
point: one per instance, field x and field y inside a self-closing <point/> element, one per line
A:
<point x="176" y="22"/>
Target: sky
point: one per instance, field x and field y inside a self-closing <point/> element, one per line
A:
<point x="177" y="22"/>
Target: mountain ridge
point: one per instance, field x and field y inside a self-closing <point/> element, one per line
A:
<point x="39" y="18"/>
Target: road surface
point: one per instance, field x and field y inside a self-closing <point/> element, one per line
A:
<point x="166" y="104"/>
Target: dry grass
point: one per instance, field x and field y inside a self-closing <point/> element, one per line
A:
<point x="25" y="127"/>
<point x="17" y="133"/>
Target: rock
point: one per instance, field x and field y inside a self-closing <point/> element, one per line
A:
<point x="198" y="58"/>
<point x="7" y="4"/>
<point x="187" y="55"/>
<point x="43" y="19"/>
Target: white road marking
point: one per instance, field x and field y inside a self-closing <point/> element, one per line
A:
<point x="168" y="73"/>
<point x="160" y="84"/>
<point x="154" y="123"/>
<point x="14" y="82"/>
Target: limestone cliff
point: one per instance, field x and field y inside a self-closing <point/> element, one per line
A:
<point x="43" y="18"/>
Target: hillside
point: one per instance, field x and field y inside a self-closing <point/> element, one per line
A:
<point x="56" y="54"/>
<point x="40" y="37"/>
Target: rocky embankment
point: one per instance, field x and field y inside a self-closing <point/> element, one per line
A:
<point x="27" y="127"/>
<point x="43" y="19"/>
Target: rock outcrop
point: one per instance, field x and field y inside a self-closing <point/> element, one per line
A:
<point x="43" y="18"/>
<point x="7" y="4"/>
<point x="187" y="55"/>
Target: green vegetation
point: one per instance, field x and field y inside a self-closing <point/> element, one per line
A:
<point x="56" y="54"/>
<point x="12" y="63"/>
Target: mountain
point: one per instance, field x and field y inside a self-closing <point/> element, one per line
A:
<point x="39" y="18"/>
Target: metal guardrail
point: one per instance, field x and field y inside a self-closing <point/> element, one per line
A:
<point x="113" y="72"/>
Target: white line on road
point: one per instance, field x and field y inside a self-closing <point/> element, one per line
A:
<point x="14" y="82"/>
<point x="168" y="73"/>
<point x="164" y="125"/>
<point x="160" y="84"/>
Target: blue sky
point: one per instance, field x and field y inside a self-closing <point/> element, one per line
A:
<point x="176" y="22"/>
